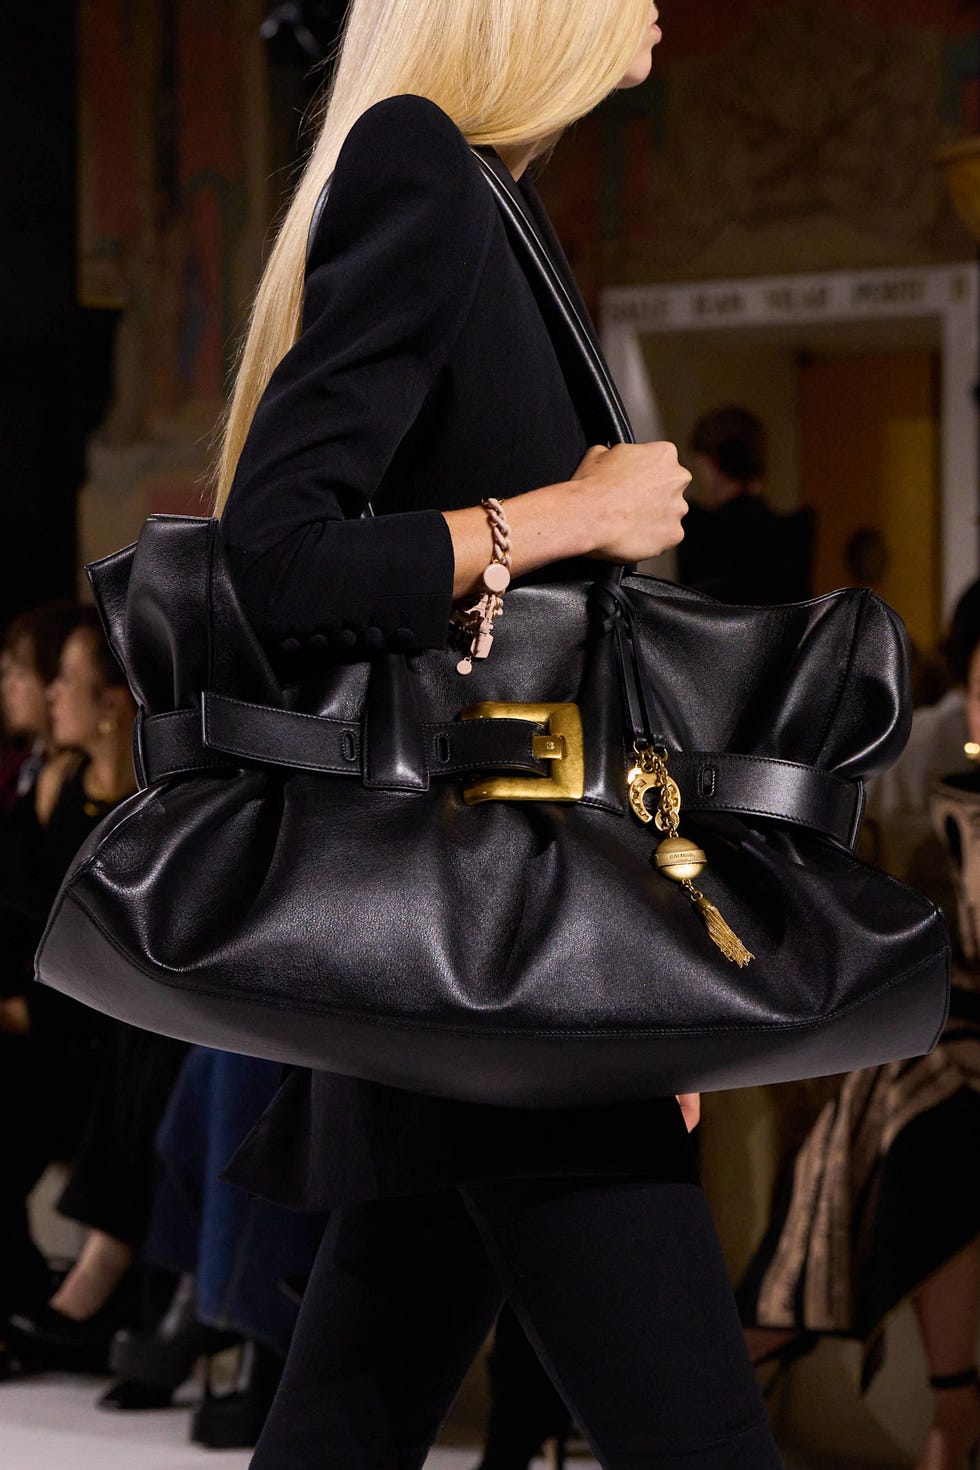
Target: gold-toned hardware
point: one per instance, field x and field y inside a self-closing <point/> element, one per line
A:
<point x="640" y="782"/>
<point x="670" y="806"/>
<point x="679" y="859"/>
<point x="650" y="773"/>
<point x="563" y="744"/>
<point x="720" y="933"/>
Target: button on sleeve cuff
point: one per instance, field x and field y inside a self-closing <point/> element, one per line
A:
<point x="370" y="584"/>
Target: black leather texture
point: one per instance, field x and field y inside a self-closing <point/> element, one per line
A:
<point x="301" y="878"/>
<point x="313" y="888"/>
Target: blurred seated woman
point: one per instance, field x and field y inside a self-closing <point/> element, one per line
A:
<point x="111" y="1185"/>
<point x="28" y="663"/>
<point x="882" y="1202"/>
<point x="241" y="1261"/>
<point x="50" y="1045"/>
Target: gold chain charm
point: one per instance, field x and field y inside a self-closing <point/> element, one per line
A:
<point x="651" y="774"/>
<point x="676" y="857"/>
<point x="646" y="775"/>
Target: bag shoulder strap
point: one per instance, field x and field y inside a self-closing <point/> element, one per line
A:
<point x="536" y="255"/>
<point x="544" y="273"/>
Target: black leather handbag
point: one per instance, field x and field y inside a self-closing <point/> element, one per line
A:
<point x="624" y="869"/>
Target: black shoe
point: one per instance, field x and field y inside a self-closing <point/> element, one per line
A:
<point x="128" y="1394"/>
<point x="165" y="1357"/>
<point x="22" y="1361"/>
<point x="234" y="1421"/>
<point x="49" y="1337"/>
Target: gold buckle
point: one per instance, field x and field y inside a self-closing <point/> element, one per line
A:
<point x="562" y="744"/>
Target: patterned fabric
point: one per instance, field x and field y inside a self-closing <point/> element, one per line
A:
<point x="832" y="1262"/>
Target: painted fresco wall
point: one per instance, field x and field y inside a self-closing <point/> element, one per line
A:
<point x="775" y="136"/>
<point x="175" y="203"/>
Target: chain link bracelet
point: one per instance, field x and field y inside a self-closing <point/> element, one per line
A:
<point x="478" y="620"/>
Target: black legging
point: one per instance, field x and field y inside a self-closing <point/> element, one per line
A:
<point x="525" y="1407"/>
<point x="620" y="1285"/>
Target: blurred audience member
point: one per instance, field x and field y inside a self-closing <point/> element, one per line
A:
<point x="866" y="558"/>
<point x="882" y="1202"/>
<point x="49" y="1045"/>
<point x="28" y="663"/>
<point x="735" y="546"/>
<point x="242" y="1262"/>
<point x="898" y="834"/>
<point x="110" y="1190"/>
<point x="111" y="1185"/>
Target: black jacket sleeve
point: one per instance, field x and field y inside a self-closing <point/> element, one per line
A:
<point x="395" y="265"/>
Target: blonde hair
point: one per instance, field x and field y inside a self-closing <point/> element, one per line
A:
<point x="505" y="71"/>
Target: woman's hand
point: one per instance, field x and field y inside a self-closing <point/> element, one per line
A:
<point x="637" y="495"/>
<point x="622" y="504"/>
<point x="690" y="1108"/>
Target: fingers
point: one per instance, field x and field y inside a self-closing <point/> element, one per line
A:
<point x="690" y="1106"/>
<point x="639" y="491"/>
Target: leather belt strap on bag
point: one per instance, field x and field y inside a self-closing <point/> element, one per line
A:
<point x="186" y="742"/>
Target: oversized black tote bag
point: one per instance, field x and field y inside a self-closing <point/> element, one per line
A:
<point x="459" y="886"/>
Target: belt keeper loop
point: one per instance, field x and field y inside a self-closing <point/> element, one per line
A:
<point x="707" y="780"/>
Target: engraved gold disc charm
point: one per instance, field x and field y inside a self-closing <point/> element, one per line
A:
<point x="640" y="782"/>
<point x="679" y="859"/>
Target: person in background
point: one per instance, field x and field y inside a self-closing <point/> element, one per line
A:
<point x="735" y="547"/>
<point x="867" y="562"/>
<point x="866" y="558"/>
<point x="241" y="1261"/>
<point x="882" y="1202"/>
<point x="28" y="663"/>
<point x="50" y="1047"/>
<point x="898" y="833"/>
<point x="110" y="1186"/>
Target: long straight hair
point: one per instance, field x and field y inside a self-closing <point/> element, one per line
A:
<point x="505" y="71"/>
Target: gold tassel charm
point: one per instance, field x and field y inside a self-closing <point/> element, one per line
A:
<point x="677" y="858"/>
<point x="719" y="931"/>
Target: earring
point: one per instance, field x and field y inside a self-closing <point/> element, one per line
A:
<point x="107" y="727"/>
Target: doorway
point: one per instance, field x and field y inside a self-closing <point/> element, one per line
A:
<point x="869" y="442"/>
<point x="845" y="369"/>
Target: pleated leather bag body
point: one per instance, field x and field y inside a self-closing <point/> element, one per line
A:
<point x="361" y="875"/>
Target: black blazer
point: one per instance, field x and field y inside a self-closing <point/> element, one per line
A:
<point x="425" y="378"/>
